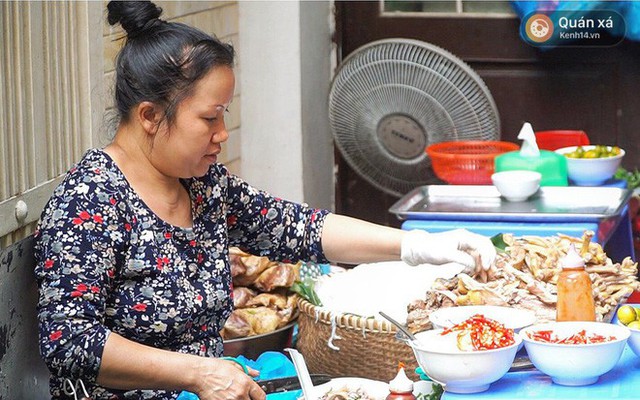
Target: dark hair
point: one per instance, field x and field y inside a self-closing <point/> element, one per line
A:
<point x="161" y="61"/>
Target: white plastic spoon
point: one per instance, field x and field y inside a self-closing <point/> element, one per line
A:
<point x="303" y="373"/>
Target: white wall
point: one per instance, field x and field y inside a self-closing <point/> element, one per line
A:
<point x="284" y="57"/>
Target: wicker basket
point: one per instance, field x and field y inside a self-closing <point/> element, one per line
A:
<point x="368" y="347"/>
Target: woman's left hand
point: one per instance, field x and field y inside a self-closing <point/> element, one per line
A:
<point x="221" y="379"/>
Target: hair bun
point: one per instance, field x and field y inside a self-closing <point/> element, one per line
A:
<point x="134" y="16"/>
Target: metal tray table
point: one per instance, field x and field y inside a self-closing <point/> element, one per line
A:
<point x="553" y="209"/>
<point x="484" y="203"/>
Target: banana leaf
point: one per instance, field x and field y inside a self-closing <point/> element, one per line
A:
<point x="498" y="243"/>
<point x="305" y="288"/>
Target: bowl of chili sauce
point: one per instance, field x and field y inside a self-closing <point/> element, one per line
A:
<point x="574" y="353"/>
<point x="469" y="356"/>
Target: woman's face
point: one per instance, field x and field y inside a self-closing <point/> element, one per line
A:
<point x="192" y="143"/>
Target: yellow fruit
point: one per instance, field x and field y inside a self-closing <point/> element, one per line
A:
<point x="637" y="312"/>
<point x="626" y="314"/>
<point x="590" y="154"/>
<point x="634" y="325"/>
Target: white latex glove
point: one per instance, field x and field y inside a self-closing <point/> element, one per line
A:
<point x="457" y="246"/>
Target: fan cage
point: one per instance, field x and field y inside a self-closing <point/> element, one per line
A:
<point x="410" y="78"/>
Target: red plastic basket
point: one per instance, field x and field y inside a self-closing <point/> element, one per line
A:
<point x="553" y="140"/>
<point x="467" y="163"/>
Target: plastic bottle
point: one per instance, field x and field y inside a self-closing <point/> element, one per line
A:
<point x="575" y="294"/>
<point x="552" y="166"/>
<point x="401" y="387"/>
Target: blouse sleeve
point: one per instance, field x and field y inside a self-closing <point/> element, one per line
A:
<point x="77" y="242"/>
<point x="268" y="226"/>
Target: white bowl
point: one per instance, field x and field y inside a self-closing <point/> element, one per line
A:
<point x="634" y="338"/>
<point x="516" y="185"/>
<point x="375" y="389"/>
<point x="575" y="364"/>
<point x="590" y="171"/>
<point x="461" y="371"/>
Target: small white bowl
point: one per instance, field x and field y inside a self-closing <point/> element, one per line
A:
<point x="590" y="171"/>
<point x="575" y="364"/>
<point x="461" y="371"/>
<point x="517" y="185"/>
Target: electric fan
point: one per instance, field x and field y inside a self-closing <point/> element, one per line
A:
<point x="392" y="98"/>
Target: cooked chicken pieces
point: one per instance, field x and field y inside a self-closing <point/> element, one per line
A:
<point x="525" y="276"/>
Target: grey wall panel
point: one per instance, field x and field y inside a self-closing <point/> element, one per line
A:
<point x="23" y="374"/>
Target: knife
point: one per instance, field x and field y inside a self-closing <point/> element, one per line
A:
<point x="286" y="384"/>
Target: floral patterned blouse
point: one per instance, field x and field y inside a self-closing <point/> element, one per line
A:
<point x="106" y="263"/>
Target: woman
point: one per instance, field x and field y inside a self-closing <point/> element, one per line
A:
<point x="132" y="248"/>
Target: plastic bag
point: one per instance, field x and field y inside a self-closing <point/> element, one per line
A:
<point x="271" y="364"/>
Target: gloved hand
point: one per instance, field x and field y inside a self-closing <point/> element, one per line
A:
<point x="457" y="246"/>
